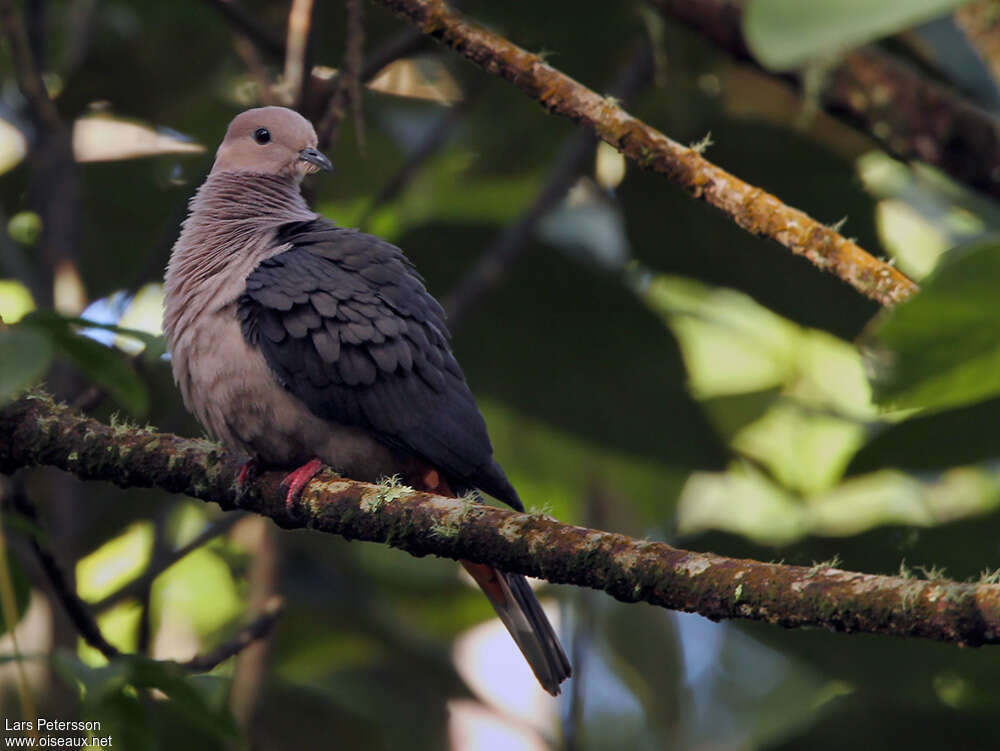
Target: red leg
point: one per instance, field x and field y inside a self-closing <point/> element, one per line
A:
<point x="298" y="479"/>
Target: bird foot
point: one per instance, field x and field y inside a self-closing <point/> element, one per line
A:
<point x="246" y="475"/>
<point x="295" y="481"/>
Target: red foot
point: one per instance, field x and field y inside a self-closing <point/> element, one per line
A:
<point x="297" y="480"/>
<point x="246" y="475"/>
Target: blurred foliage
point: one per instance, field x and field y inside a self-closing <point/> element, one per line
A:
<point x="644" y="366"/>
<point x="786" y="34"/>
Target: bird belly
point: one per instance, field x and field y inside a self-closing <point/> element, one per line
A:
<point x="229" y="387"/>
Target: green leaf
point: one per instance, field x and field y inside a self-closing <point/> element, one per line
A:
<point x="942" y="348"/>
<point x="25" y="356"/>
<point x="785" y="34"/>
<point x="104" y="365"/>
<point x="110" y="691"/>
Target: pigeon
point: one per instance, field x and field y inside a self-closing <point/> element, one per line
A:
<point x="302" y="344"/>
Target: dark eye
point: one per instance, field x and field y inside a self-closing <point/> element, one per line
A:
<point x="262" y="136"/>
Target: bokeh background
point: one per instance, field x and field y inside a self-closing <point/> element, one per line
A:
<point x="644" y="365"/>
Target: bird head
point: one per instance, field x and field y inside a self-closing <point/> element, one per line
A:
<point x="270" y="141"/>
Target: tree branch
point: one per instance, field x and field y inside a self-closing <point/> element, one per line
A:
<point x="912" y="116"/>
<point x="29" y="78"/>
<point x="752" y="208"/>
<point x="494" y="261"/>
<point x="980" y="22"/>
<point x="81" y="614"/>
<point x="34" y="430"/>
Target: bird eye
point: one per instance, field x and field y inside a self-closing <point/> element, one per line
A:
<point x="262" y="136"/>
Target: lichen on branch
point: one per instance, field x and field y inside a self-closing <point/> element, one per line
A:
<point x="36" y="431"/>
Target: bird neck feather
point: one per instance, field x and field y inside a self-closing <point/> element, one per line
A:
<point x="230" y="229"/>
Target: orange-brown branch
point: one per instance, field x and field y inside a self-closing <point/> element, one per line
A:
<point x="750" y="207"/>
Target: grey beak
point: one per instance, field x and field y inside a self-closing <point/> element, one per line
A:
<point x="313" y="156"/>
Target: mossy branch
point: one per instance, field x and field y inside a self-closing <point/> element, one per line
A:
<point x="36" y="431"/>
<point x="752" y="208"/>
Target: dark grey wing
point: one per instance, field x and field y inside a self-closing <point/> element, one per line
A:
<point x="346" y="324"/>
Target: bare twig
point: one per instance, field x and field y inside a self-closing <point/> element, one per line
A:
<point x="437" y="136"/>
<point x="77" y="610"/>
<point x="334" y="94"/>
<point x="352" y="67"/>
<point x="34" y="430"/>
<point x="86" y="625"/>
<point x="8" y="609"/>
<point x="258" y="629"/>
<point x="166" y="559"/>
<point x="262" y="36"/>
<point x="752" y="208"/>
<point x="29" y="78"/>
<point x="491" y="265"/>
<point x="263" y="580"/>
<point x="299" y="20"/>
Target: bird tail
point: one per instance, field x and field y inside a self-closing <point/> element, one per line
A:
<point x="522" y="614"/>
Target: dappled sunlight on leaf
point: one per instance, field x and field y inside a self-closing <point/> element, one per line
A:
<point x="730" y="343"/>
<point x="609" y="166"/>
<point x="13" y="146"/>
<point x="746" y="502"/>
<point x="445" y="191"/>
<point x="114" y="563"/>
<point x="910" y="238"/>
<point x="197" y="593"/>
<point x="942" y="348"/>
<point x="119" y="625"/>
<point x="742" y="501"/>
<point x="68" y="293"/>
<point x="804" y="399"/>
<point x="101" y="138"/>
<point x="806" y="450"/>
<point x="417" y="78"/>
<point x="25" y="227"/>
<point x="545" y="465"/>
<point x="786" y="34"/>
<point x="25" y="356"/>
<point x="15" y="300"/>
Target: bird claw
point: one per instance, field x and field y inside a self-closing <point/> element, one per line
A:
<point x="246" y="475"/>
<point x="296" y="481"/>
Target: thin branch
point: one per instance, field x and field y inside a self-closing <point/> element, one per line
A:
<point x="336" y="91"/>
<point x="86" y="625"/>
<point x="29" y="78"/>
<point x="299" y="20"/>
<point x="507" y="246"/>
<point x="34" y="430"/>
<point x="752" y="208"/>
<point x="352" y="67"/>
<point x="912" y="116"/>
<point x="257" y="629"/>
<point x="263" y="577"/>
<point x="77" y="610"/>
<point x="168" y="558"/>
<point x="237" y="17"/>
<point x="437" y="135"/>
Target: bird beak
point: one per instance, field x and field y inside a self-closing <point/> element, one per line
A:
<point x="313" y="156"/>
